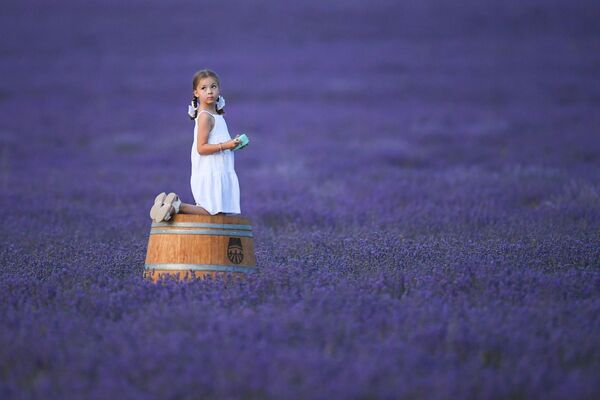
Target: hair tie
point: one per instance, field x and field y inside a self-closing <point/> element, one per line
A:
<point x="192" y="108"/>
<point x="220" y="102"/>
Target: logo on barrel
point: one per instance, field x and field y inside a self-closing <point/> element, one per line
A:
<point x="235" y="253"/>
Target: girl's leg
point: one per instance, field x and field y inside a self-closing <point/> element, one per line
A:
<point x="185" y="208"/>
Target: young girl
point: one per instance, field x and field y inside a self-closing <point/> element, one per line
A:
<point x="214" y="183"/>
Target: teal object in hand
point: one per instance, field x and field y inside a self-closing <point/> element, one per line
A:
<point x="243" y="142"/>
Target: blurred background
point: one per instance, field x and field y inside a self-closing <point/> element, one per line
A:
<point x="344" y="102"/>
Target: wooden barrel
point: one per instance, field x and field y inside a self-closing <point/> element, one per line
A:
<point x="195" y="246"/>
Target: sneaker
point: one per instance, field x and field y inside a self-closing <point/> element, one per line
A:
<point x="158" y="202"/>
<point x="172" y="204"/>
<point x="165" y="213"/>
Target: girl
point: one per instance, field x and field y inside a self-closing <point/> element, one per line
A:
<point x="214" y="183"/>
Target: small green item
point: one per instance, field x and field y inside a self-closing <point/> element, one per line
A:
<point x="243" y="142"/>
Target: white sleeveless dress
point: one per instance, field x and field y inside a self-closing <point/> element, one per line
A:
<point x="214" y="182"/>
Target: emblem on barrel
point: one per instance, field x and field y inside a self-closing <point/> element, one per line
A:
<point x="235" y="252"/>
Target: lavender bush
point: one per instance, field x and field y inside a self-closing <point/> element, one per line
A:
<point x="422" y="181"/>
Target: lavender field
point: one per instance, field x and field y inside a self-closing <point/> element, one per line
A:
<point x="423" y="181"/>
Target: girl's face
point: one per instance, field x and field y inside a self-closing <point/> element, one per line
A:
<point x="207" y="91"/>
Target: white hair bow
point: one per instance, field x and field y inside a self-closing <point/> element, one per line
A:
<point x="192" y="110"/>
<point x="220" y="102"/>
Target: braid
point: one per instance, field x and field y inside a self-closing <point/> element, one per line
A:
<point x="193" y="114"/>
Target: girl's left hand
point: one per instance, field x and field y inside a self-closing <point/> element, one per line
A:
<point x="231" y="144"/>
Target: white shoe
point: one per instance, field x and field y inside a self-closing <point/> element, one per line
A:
<point x="158" y="202"/>
<point x="172" y="204"/>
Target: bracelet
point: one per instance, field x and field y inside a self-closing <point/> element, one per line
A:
<point x="221" y="147"/>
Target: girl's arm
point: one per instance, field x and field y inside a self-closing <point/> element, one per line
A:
<point x="205" y="124"/>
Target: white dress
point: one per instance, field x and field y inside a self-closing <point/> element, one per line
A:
<point x="214" y="182"/>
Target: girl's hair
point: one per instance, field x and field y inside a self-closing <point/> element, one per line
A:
<point x="204" y="73"/>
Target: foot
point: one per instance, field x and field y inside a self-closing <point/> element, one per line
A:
<point x="164" y="213"/>
<point x="172" y="202"/>
<point x="170" y="212"/>
<point x="158" y="202"/>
